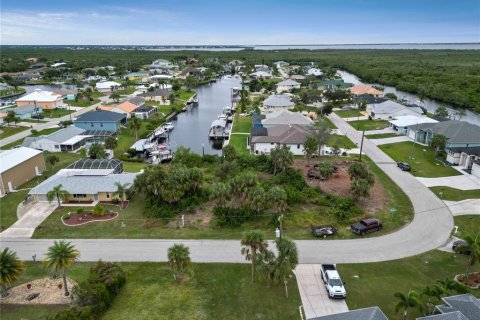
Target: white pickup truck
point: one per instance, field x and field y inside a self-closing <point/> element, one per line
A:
<point x="332" y="281"/>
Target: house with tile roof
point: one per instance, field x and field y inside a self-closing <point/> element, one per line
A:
<point x="361" y="89"/>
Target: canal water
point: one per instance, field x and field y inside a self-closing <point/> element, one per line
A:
<point x="429" y="104"/>
<point x="191" y="127"/>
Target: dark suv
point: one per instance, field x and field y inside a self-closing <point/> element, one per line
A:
<point x="404" y="166"/>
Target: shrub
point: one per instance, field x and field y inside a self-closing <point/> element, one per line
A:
<point x="115" y="200"/>
<point x="66" y="216"/>
<point x="80" y="210"/>
<point x="343" y="208"/>
<point x="232" y="217"/>
<point x="98" y="210"/>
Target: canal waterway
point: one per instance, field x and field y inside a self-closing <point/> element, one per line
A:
<point x="429" y="104"/>
<point x="192" y="127"/>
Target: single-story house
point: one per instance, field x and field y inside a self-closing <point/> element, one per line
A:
<point x="459" y="133"/>
<point x="66" y="93"/>
<point x="285" y="117"/>
<point x="334" y="84"/>
<point x="189" y="72"/>
<point x="315" y="72"/>
<point x="40" y="98"/>
<point x="145" y="112"/>
<point x="85" y="185"/>
<point x="466" y="158"/>
<point x="126" y="107"/>
<point x="401" y="123"/>
<point x="261" y="67"/>
<point x="69" y="139"/>
<point x="371" y="313"/>
<point x="257" y="119"/>
<point x="260" y="75"/>
<point x="157" y="77"/>
<point x="107" y="86"/>
<point x="361" y="89"/>
<point x="287" y="85"/>
<point x="19" y="165"/>
<point x="160" y="95"/>
<point x="138" y="101"/>
<point x="281" y="64"/>
<point x="390" y="109"/>
<point x="278" y="101"/>
<point x="100" y="120"/>
<point x="264" y="140"/>
<point x="25" y="112"/>
<point x="137" y="76"/>
<point x="367" y="99"/>
<point x="98" y="164"/>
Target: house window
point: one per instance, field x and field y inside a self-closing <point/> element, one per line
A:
<point x="79" y="195"/>
<point x="101" y="124"/>
<point x="57" y="146"/>
<point x="271" y="143"/>
<point x="298" y="146"/>
<point x="91" y="124"/>
<point x="107" y="194"/>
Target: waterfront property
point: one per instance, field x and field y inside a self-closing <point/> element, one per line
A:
<point x="458" y="133"/>
<point x="126" y="108"/>
<point x="284" y="117"/>
<point x="314" y="72"/>
<point x="19" y="165"/>
<point x="66" y="93"/>
<point x="467" y="158"/>
<point x="161" y="95"/>
<point x="84" y="185"/>
<point x="278" y="102"/>
<point x="69" y="139"/>
<point x="98" y="164"/>
<point x="145" y="112"/>
<point x="362" y="89"/>
<point x="401" y="123"/>
<point x="107" y="86"/>
<point x="25" y="112"/>
<point x="287" y="85"/>
<point x="264" y="140"/>
<point x="334" y="84"/>
<point x="260" y="75"/>
<point x="388" y="109"/>
<point x="40" y="98"/>
<point x="137" y="100"/>
<point x="100" y="120"/>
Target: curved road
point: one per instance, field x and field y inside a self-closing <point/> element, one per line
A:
<point x="429" y="229"/>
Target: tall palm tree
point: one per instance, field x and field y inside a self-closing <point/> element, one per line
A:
<point x="287" y="259"/>
<point x="178" y="259"/>
<point x="253" y="241"/>
<point x="472" y="248"/>
<point x="121" y="190"/>
<point x="58" y="193"/>
<point x="60" y="257"/>
<point x="135" y="125"/>
<point x="411" y="300"/>
<point x="10" y="269"/>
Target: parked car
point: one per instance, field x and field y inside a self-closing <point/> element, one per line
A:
<point x="314" y="174"/>
<point x="404" y="166"/>
<point x="37" y="116"/>
<point x="332" y="281"/>
<point x="460" y="246"/>
<point x="367" y="225"/>
<point x="323" y="231"/>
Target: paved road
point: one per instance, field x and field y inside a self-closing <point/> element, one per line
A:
<point x="429" y="229"/>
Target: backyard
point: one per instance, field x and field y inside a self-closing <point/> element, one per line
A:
<point x="215" y="291"/>
<point x="452" y="194"/>
<point x="423" y="164"/>
<point x="367" y="125"/>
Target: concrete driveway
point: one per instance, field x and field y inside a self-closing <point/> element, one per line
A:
<point x="389" y="140"/>
<point x="314" y="296"/>
<point x="463" y="182"/>
<point x="25" y="226"/>
<point x="464" y="207"/>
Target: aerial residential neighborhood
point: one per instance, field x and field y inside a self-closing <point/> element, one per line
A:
<point x="155" y="164"/>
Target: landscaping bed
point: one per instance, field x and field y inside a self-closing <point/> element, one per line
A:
<point x="473" y="280"/>
<point x="76" y="219"/>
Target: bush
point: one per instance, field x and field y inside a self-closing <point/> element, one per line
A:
<point x="291" y="177"/>
<point x="115" y="201"/>
<point x="156" y="208"/>
<point x="80" y="210"/>
<point x="66" y="216"/>
<point x="99" y="210"/>
<point x="343" y="208"/>
<point x="232" y="217"/>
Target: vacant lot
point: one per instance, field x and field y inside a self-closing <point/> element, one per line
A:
<point x="423" y="164"/>
<point x="349" y="113"/>
<point x="242" y="124"/>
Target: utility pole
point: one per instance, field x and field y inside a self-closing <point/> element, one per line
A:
<point x="361" y="145"/>
<point x="413" y="143"/>
<point x="36" y="110"/>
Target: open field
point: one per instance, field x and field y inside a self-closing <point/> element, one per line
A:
<point x="367" y="125"/>
<point x="453" y="194"/>
<point x="341" y="141"/>
<point x="424" y="164"/>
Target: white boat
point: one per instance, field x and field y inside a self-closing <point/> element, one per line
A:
<point x="195" y="100"/>
<point x="218" y="130"/>
<point x="168" y="126"/>
<point x="222" y="117"/>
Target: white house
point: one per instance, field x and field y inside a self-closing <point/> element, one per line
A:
<point x="107" y="86"/>
<point x="467" y="158"/>
<point x="280" y="64"/>
<point x="68" y="139"/>
<point x="390" y="109"/>
<point x="278" y="101"/>
<point x="264" y="140"/>
<point x="285" y="117"/>
<point x="287" y="85"/>
<point x="260" y="75"/>
<point x="40" y="98"/>
<point x="315" y="72"/>
<point x="401" y="123"/>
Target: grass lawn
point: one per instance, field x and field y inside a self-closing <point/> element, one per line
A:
<point x="374" y="284"/>
<point x="9" y="203"/>
<point x="133" y="166"/>
<point x="56" y="113"/>
<point x="82" y="103"/>
<point x="382" y="135"/>
<point x="348" y="113"/>
<point x="424" y="164"/>
<point x="126" y="91"/>
<point x="11" y="145"/>
<point x="469" y="224"/>
<point x="10" y="131"/>
<point x="341" y="141"/>
<point x="239" y="142"/>
<point x="453" y="194"/>
<point x="368" y="125"/>
<point x="215" y="291"/>
<point x="328" y="123"/>
<point x="242" y="124"/>
<point x="47" y="131"/>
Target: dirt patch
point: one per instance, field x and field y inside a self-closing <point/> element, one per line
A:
<point x="200" y="218"/>
<point x="339" y="185"/>
<point x="47" y="289"/>
<point x="86" y="217"/>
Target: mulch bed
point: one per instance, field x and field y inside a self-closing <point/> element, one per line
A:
<point x="86" y="217"/>
<point x="473" y="280"/>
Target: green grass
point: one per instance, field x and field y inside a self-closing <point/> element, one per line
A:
<point x="47" y="131"/>
<point x="367" y="125"/>
<point x="82" y="103"/>
<point x="56" y="113"/>
<point x="453" y="194"/>
<point x="242" y="124"/>
<point x="17" y="311"/>
<point x="469" y="224"/>
<point x="12" y="144"/>
<point x="133" y="166"/>
<point x="382" y="135"/>
<point x="348" y="113"/>
<point x="126" y="91"/>
<point x="10" y="131"/>
<point x="214" y="291"/>
<point x="374" y="284"/>
<point x="239" y="142"/>
<point x="341" y="141"/>
<point x="9" y="203"/>
<point x="424" y="164"/>
<point x="328" y="122"/>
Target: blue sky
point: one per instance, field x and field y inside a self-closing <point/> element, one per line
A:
<point x="247" y="22"/>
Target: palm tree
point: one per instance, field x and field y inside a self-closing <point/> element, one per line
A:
<point x="60" y="257"/>
<point x="253" y="242"/>
<point x="281" y="158"/>
<point x="267" y="263"/>
<point x="135" y="124"/>
<point x="433" y="291"/>
<point x="472" y="248"/>
<point x="410" y="300"/>
<point x="221" y="193"/>
<point x="10" y="269"/>
<point x="256" y="199"/>
<point x="287" y="259"/>
<point x="121" y="190"/>
<point x="59" y="193"/>
<point x="276" y="198"/>
<point x="178" y="259"/>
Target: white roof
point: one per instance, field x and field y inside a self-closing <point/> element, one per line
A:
<point x="161" y="76"/>
<point x="219" y="123"/>
<point x="40" y="96"/>
<point x="75" y="139"/>
<point x="408" y="120"/>
<point x="107" y="84"/>
<point x="315" y="71"/>
<point x="58" y="64"/>
<point x="261" y="74"/>
<point x="288" y="82"/>
<point x="13" y="157"/>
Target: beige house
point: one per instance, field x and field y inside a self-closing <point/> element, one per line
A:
<point x="42" y="99"/>
<point x="18" y="166"/>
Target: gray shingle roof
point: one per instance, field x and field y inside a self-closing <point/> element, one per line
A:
<point x="58" y="136"/>
<point x="100" y="115"/>
<point x="456" y="131"/>
<point x="144" y="109"/>
<point x="138" y="101"/>
<point x="457" y="315"/>
<point x="288" y="82"/>
<point x="23" y="110"/>
<point x="467" y="304"/>
<point x="278" y="100"/>
<point x="286" y="117"/>
<point x="372" y="313"/>
<point x="284" y="134"/>
<point x="157" y="93"/>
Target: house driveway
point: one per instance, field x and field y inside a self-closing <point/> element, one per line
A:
<point x="314" y="296"/>
<point x="380" y="131"/>
<point x="25" y="226"/>
<point x="464" y="207"/>
<point x="463" y="182"/>
<point x="390" y="140"/>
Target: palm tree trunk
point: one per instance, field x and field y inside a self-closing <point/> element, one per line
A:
<point x="58" y="200"/>
<point x="468" y="267"/>
<point x="65" y="287"/>
<point x="4" y="290"/>
<point x="286" y="286"/>
<point x="405" y="313"/>
<point x="253" y="266"/>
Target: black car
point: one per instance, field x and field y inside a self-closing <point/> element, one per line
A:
<point x="460" y="246"/>
<point x="37" y="116"/>
<point x="404" y="166"/>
